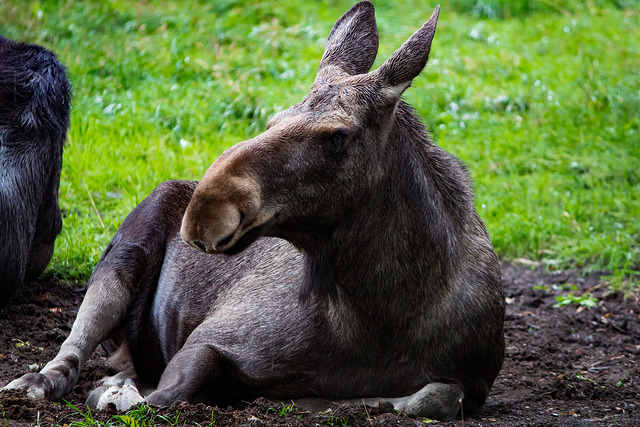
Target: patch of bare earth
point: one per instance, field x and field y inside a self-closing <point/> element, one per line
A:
<point x="566" y="366"/>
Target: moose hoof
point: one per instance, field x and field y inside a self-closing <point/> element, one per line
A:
<point x="122" y="397"/>
<point x="36" y="385"/>
<point x="437" y="401"/>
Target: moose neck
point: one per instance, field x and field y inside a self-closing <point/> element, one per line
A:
<point x="402" y="238"/>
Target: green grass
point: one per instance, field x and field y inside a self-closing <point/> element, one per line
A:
<point x="542" y="102"/>
<point x="140" y="416"/>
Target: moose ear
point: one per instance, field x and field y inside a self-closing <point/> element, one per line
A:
<point x="352" y="44"/>
<point x="408" y="61"/>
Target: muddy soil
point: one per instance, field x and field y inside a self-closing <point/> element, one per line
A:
<point x="565" y="366"/>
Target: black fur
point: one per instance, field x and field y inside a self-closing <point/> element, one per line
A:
<point x="34" y="116"/>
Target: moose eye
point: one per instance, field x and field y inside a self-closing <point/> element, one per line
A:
<point x="338" y="138"/>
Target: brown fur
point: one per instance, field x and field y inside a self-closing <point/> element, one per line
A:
<point x="345" y="259"/>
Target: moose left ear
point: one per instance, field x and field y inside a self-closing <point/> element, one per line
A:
<point x="408" y="61"/>
<point x="352" y="44"/>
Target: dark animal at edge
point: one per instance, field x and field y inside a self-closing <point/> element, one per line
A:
<point x="344" y="260"/>
<point x="34" y="117"/>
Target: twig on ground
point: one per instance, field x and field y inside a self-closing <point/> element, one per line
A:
<point x="367" y="412"/>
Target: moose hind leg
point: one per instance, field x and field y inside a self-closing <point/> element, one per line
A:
<point x="193" y="372"/>
<point x="438" y="401"/>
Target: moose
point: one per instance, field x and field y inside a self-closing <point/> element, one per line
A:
<point x="34" y="117"/>
<point x="337" y="255"/>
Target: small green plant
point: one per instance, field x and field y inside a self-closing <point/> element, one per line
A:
<point x="572" y="296"/>
<point x="173" y="419"/>
<point x="333" y="420"/>
<point x="20" y="343"/>
<point x="583" y="378"/>
<point x="586" y="300"/>
<point x="140" y="416"/>
<point x="286" y="409"/>
<point x="128" y="421"/>
<point x="211" y="423"/>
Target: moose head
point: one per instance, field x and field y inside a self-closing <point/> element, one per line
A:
<point x="320" y="157"/>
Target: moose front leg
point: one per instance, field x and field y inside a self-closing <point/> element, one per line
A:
<point x="103" y="310"/>
<point x="129" y="267"/>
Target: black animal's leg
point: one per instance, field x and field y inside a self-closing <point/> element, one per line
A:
<point x="130" y="264"/>
<point x="18" y="211"/>
<point x="47" y="227"/>
<point x="32" y="222"/>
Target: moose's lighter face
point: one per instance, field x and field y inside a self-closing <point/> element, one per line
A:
<point x="300" y="176"/>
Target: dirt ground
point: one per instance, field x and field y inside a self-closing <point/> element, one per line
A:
<point x="566" y="366"/>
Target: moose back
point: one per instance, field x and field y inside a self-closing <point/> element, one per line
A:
<point x="337" y="255"/>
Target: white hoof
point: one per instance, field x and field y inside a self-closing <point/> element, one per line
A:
<point x="123" y="397"/>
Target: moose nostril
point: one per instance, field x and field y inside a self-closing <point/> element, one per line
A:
<point x="200" y="244"/>
<point x="224" y="241"/>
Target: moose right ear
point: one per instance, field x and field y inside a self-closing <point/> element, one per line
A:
<point x="352" y="44"/>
